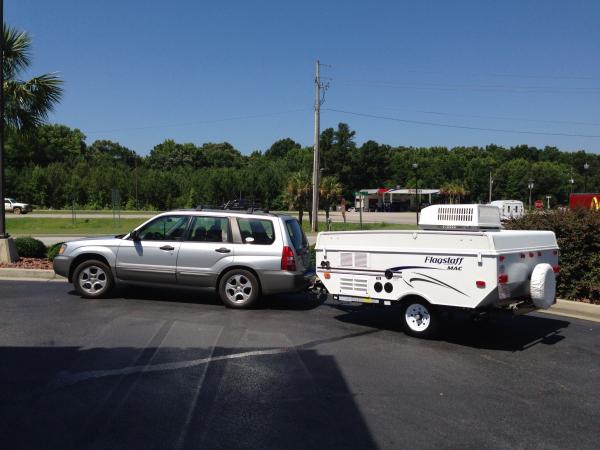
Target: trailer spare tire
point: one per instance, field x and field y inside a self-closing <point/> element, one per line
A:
<point x="543" y="286"/>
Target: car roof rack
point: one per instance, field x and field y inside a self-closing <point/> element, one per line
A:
<point x="250" y="210"/>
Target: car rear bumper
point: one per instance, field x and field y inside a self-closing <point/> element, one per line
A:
<point x="280" y="281"/>
<point x="61" y="265"/>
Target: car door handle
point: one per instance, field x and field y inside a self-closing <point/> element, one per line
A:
<point x="222" y="250"/>
<point x="167" y="248"/>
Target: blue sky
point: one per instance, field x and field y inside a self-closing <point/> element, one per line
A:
<point x="138" y="72"/>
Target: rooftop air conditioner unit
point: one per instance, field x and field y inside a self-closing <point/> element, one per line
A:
<point x="460" y="217"/>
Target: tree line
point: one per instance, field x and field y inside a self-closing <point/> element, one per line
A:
<point x="52" y="166"/>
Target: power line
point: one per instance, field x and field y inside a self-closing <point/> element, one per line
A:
<point x="201" y="122"/>
<point x="473" y="87"/>
<point x="464" y="127"/>
<point x="475" y="116"/>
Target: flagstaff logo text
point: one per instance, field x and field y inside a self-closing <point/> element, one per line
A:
<point x="452" y="263"/>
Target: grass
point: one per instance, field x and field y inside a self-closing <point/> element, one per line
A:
<point x="91" y="211"/>
<point x="32" y="226"/>
<point x="340" y="226"/>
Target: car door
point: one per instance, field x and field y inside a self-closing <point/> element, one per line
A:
<point x="7" y="205"/>
<point x="151" y="254"/>
<point x="205" y="252"/>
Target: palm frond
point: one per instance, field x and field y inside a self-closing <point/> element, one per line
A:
<point x="17" y="51"/>
<point x="28" y="103"/>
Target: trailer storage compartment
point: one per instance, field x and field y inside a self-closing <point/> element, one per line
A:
<point x="460" y="258"/>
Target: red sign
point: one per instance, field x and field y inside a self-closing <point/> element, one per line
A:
<point x="539" y="204"/>
<point x="588" y="201"/>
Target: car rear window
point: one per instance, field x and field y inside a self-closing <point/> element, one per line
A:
<point x="209" y="229"/>
<point x="261" y="231"/>
<point x="296" y="235"/>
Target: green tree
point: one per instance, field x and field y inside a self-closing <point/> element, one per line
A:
<point x="281" y="148"/>
<point x="27" y="102"/>
<point x="330" y="191"/>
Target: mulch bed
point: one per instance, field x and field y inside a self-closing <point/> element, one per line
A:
<point x="29" y="263"/>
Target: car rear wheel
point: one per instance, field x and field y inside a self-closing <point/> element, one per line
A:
<point x="419" y="318"/>
<point x="93" y="279"/>
<point x="239" y="289"/>
<point x="17" y="211"/>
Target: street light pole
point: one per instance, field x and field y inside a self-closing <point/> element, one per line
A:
<point x="415" y="166"/>
<point x="491" y="184"/>
<point x="586" y="166"/>
<point x="530" y="186"/>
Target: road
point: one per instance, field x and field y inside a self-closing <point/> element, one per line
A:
<point x="153" y="368"/>
<point x="352" y="217"/>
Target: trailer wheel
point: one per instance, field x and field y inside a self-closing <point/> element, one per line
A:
<point x="419" y="318"/>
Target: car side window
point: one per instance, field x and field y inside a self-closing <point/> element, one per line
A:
<point x="165" y="228"/>
<point x="256" y="231"/>
<point x="209" y="229"/>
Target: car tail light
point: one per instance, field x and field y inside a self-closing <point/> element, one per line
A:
<point x="288" y="261"/>
<point x="503" y="278"/>
<point x="556" y="269"/>
<point x="539" y="253"/>
<point x="480" y="284"/>
<point x="502" y="258"/>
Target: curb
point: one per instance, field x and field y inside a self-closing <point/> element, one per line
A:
<point x="575" y="310"/>
<point x="10" y="273"/>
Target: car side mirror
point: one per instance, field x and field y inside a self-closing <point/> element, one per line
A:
<point x="135" y="235"/>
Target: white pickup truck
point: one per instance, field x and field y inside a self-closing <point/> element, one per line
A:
<point x="13" y="206"/>
<point x="459" y="258"/>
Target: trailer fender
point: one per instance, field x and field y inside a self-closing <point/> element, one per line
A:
<point x="542" y="286"/>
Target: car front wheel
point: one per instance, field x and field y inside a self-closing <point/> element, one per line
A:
<point x="17" y="211"/>
<point x="93" y="279"/>
<point x="239" y="289"/>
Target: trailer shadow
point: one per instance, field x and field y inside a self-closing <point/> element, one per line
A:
<point x="502" y="332"/>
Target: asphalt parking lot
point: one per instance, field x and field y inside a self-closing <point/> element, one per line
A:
<point x="173" y="368"/>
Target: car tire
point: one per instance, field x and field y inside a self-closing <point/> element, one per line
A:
<point x="239" y="289"/>
<point x="420" y="318"/>
<point x="17" y="211"/>
<point x="93" y="279"/>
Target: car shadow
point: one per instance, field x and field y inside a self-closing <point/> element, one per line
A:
<point x="501" y="331"/>
<point x="300" y="301"/>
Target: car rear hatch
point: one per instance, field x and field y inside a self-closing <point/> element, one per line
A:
<point x="299" y="244"/>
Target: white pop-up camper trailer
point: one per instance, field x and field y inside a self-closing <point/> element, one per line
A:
<point x="460" y="258"/>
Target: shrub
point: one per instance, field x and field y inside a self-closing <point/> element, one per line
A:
<point x="53" y="250"/>
<point x="29" y="247"/>
<point x="578" y="236"/>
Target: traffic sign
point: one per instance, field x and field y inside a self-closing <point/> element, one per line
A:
<point x="539" y="204"/>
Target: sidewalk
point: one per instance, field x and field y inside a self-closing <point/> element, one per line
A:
<point x="576" y="310"/>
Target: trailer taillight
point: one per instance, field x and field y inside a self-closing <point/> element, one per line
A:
<point x="556" y="269"/>
<point x="531" y="254"/>
<point x="555" y="252"/>
<point x="502" y="278"/>
<point x="480" y="284"/>
<point x="539" y="253"/>
<point x="288" y="261"/>
<point x="502" y="258"/>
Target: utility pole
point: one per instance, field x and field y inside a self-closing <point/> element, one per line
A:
<point x="491" y="184"/>
<point x="316" y="154"/>
<point x="3" y="234"/>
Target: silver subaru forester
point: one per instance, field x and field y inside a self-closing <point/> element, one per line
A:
<point x="241" y="254"/>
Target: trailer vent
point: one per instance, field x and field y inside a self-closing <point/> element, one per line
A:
<point x="460" y="217"/>
<point x="360" y="260"/>
<point x="348" y="259"/>
<point x="353" y="285"/>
